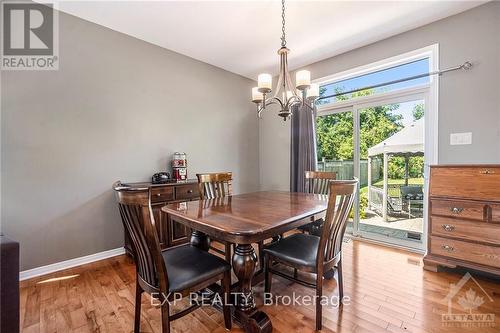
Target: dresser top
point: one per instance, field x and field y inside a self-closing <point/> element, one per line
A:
<point x="143" y="186"/>
<point x="465" y="166"/>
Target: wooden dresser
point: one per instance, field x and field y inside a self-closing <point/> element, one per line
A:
<point x="170" y="232"/>
<point x="464" y="217"/>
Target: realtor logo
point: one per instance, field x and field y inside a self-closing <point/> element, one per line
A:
<point x="29" y="36"/>
<point x="469" y="300"/>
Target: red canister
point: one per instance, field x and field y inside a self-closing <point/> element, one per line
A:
<point x="179" y="166"/>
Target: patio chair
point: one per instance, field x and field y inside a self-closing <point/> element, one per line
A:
<point x="412" y="195"/>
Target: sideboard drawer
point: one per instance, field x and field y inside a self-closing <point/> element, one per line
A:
<point x="187" y="192"/>
<point x="461" y="209"/>
<point x="163" y="193"/>
<point x="477" y="253"/>
<point x="467" y="230"/>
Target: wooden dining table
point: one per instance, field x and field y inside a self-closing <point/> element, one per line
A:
<point x="243" y="220"/>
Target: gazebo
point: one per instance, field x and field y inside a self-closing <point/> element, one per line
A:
<point x="407" y="143"/>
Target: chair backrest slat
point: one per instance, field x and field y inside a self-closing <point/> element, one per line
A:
<point x="215" y="185"/>
<point x="317" y="181"/>
<point x="138" y="220"/>
<point x="340" y="201"/>
<point x="131" y="216"/>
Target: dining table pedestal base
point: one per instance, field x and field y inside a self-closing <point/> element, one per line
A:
<point x="244" y="264"/>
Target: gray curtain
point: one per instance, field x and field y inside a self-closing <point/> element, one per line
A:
<point x="303" y="147"/>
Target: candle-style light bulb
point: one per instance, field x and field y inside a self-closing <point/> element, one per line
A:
<point x="313" y="91"/>
<point x="302" y="79"/>
<point x="257" y="96"/>
<point x="265" y="82"/>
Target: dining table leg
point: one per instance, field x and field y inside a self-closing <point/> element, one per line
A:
<point x="200" y="240"/>
<point x="244" y="264"/>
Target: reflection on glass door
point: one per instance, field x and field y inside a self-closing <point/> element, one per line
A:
<point x="391" y="167"/>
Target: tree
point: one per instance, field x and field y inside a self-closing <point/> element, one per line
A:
<point x="335" y="133"/>
<point x="418" y="111"/>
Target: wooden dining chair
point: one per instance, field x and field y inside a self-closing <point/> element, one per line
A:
<point x="179" y="270"/>
<point x="317" y="182"/>
<point x="213" y="186"/>
<point x="313" y="254"/>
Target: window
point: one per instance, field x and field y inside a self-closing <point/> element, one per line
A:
<point x="384" y="135"/>
<point x="395" y="73"/>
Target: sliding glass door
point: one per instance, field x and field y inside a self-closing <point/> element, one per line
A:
<point x="381" y="144"/>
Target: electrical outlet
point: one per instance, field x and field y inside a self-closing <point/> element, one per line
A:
<point x="461" y="138"/>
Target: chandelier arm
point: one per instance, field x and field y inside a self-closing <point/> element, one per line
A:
<point x="278" y="86"/>
<point x="276" y="100"/>
<point x="269" y="101"/>
<point x="288" y="84"/>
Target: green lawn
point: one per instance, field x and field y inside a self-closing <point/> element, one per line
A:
<point x="380" y="183"/>
<point x="411" y="181"/>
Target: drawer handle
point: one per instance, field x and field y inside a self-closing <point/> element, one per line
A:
<point x="158" y="194"/>
<point x="456" y="210"/>
<point x="190" y="191"/>
<point x="447" y="248"/>
<point x="448" y="227"/>
<point x="486" y="172"/>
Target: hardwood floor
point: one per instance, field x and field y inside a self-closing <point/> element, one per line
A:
<point x="388" y="289"/>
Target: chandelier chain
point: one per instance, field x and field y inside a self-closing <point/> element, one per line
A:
<point x="283" y="40"/>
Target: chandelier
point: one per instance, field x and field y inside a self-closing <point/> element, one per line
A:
<point x="286" y="95"/>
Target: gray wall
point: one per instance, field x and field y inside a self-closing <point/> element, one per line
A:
<point x="115" y="110"/>
<point x="468" y="102"/>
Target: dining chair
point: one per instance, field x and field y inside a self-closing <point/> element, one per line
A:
<point x="165" y="274"/>
<point x="213" y="186"/>
<point x="316" y="182"/>
<point x="313" y="254"/>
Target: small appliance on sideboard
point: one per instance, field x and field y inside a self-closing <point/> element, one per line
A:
<point x="179" y="166"/>
<point x="161" y="178"/>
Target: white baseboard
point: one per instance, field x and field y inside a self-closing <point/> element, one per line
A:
<point x="58" y="266"/>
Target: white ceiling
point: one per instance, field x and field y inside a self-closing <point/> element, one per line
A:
<point x="243" y="36"/>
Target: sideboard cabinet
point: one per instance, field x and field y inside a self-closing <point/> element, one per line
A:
<point x="464" y="217"/>
<point x="170" y="232"/>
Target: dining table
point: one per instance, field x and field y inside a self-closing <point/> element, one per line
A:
<point x="243" y="220"/>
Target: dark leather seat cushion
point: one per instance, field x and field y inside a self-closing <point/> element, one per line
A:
<point x="188" y="265"/>
<point x="298" y="249"/>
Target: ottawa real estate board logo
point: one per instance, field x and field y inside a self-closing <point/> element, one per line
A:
<point x="468" y="305"/>
<point x="29" y="36"/>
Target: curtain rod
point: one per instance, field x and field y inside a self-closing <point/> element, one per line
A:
<point x="465" y="66"/>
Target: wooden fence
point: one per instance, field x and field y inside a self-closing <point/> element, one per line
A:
<point x="345" y="169"/>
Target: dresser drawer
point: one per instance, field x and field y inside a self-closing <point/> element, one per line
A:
<point x="187" y="192"/>
<point x="460" y="209"/>
<point x="160" y="194"/>
<point x="467" y="230"/>
<point x="476" y="253"/>
<point x="477" y="182"/>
